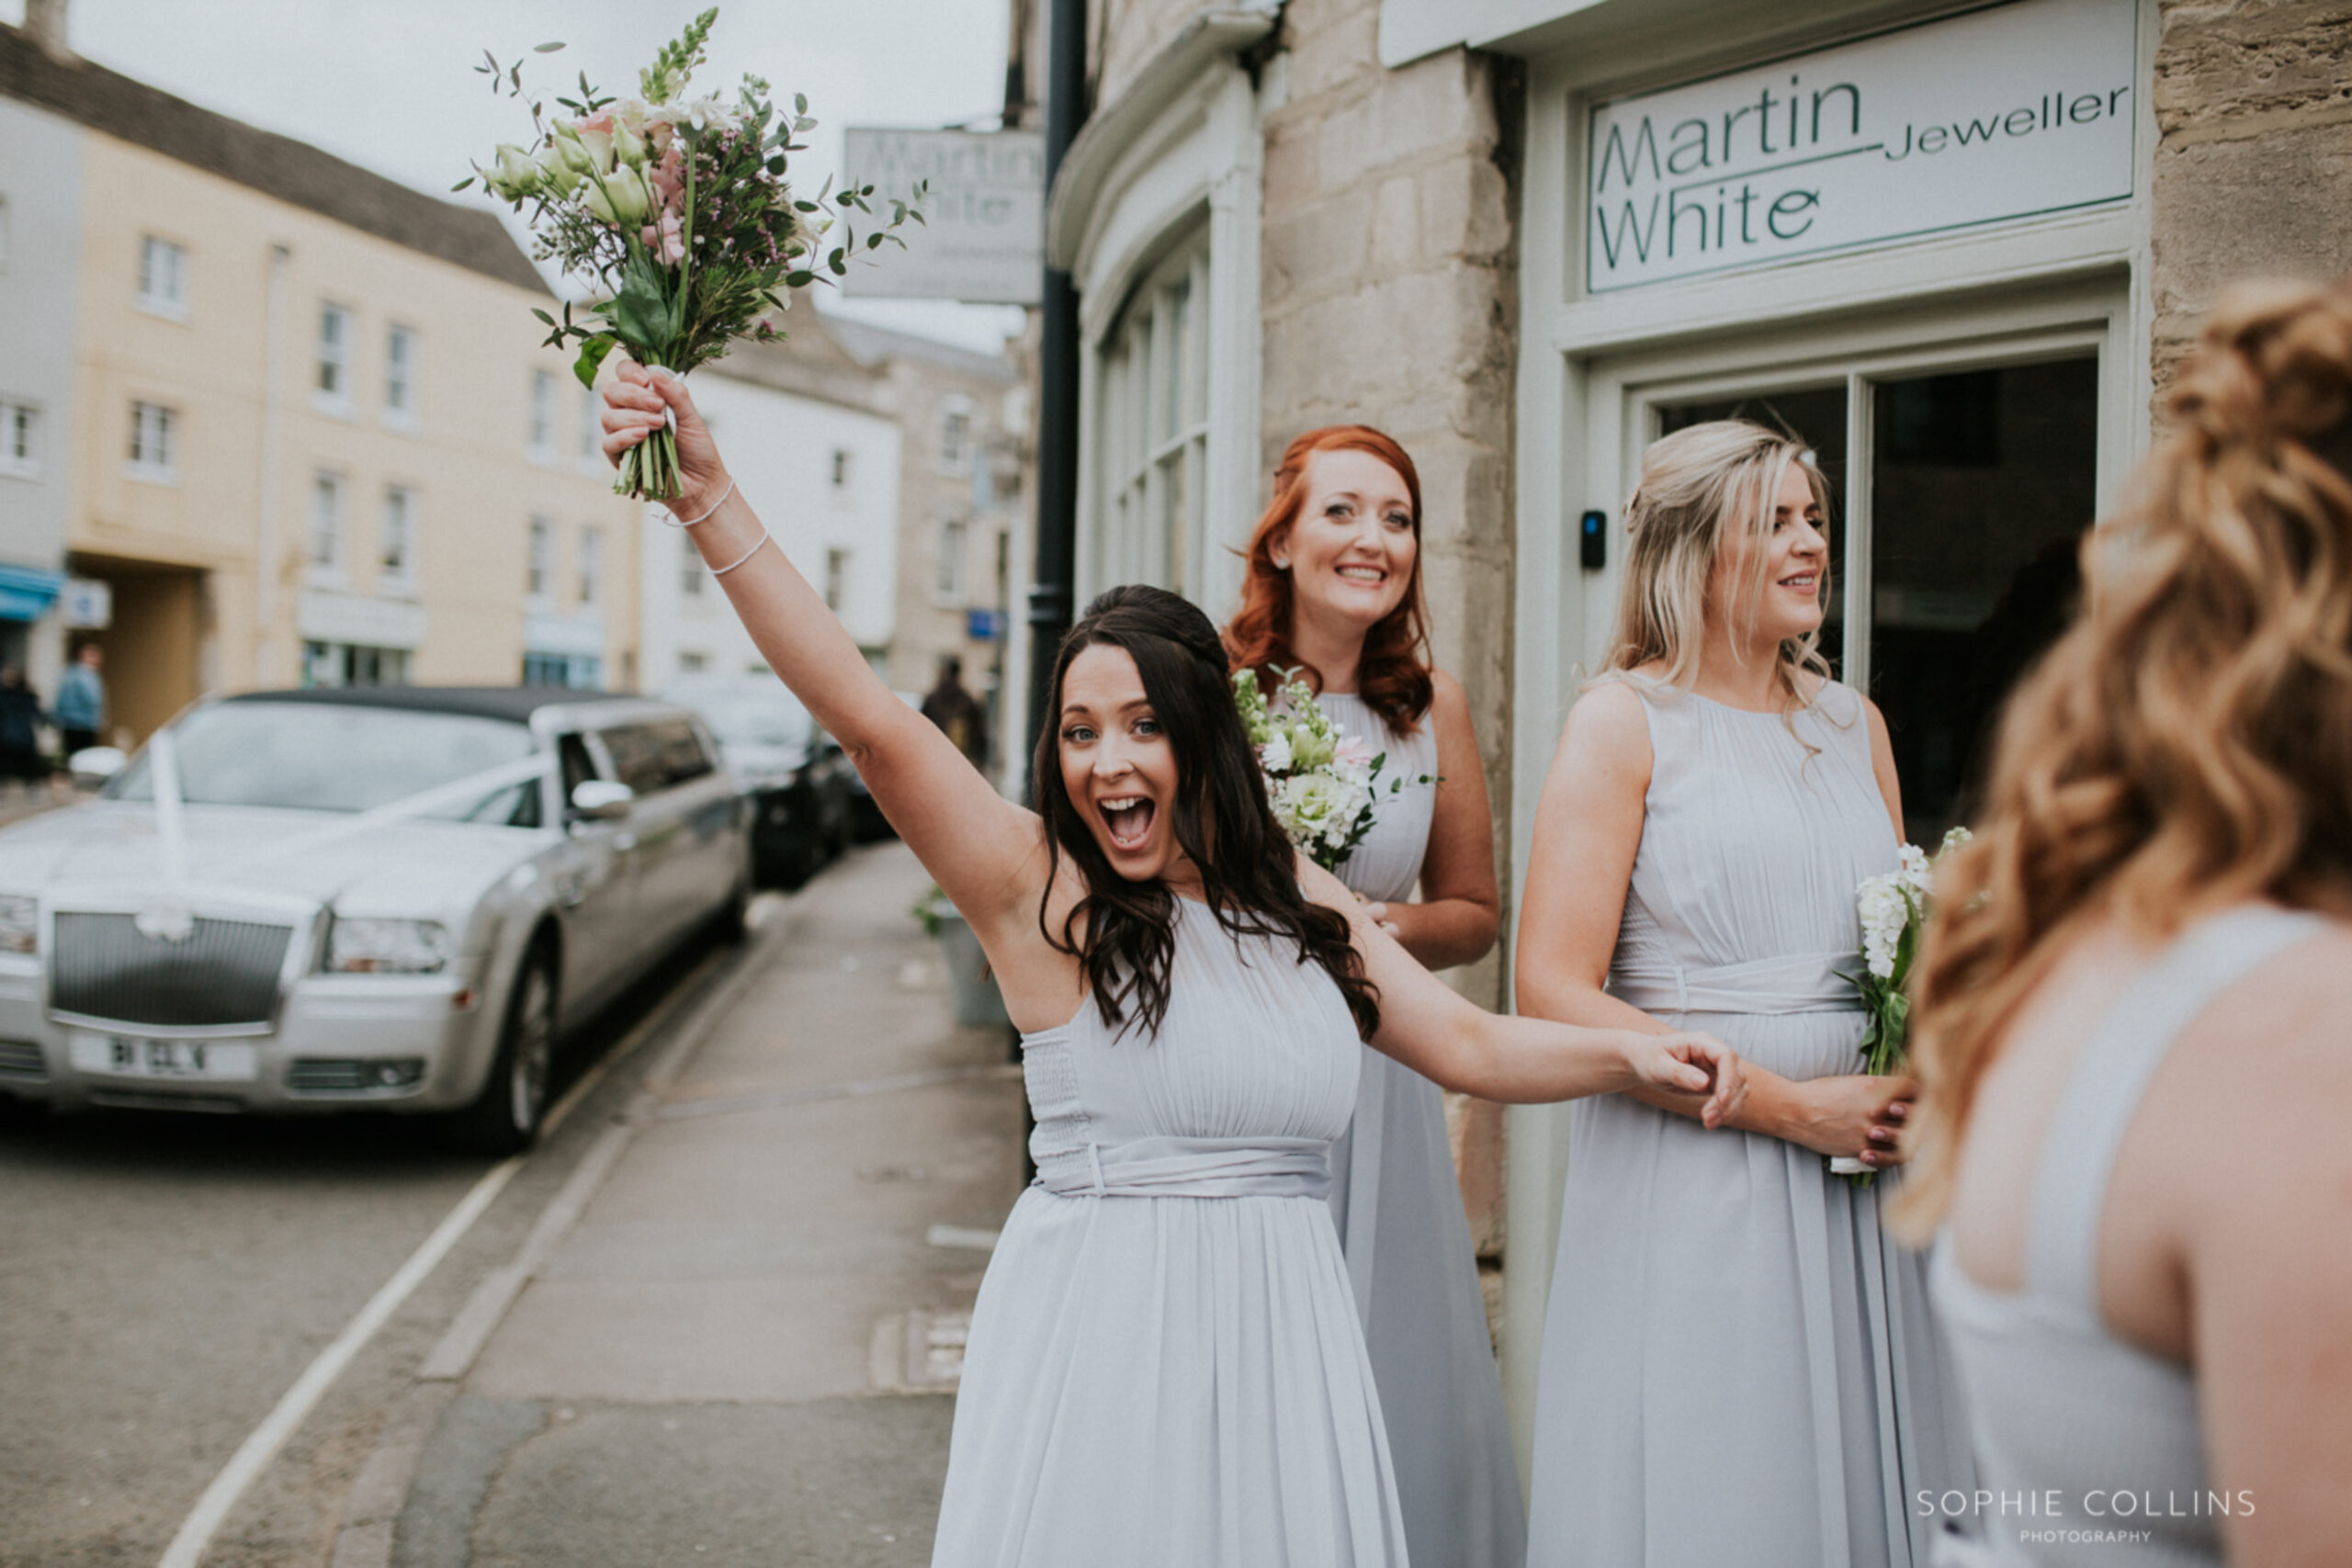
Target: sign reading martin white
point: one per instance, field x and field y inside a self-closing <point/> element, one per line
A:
<point x="982" y="238"/>
<point x="2023" y="109"/>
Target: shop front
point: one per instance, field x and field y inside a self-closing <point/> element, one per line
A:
<point x="1917" y="240"/>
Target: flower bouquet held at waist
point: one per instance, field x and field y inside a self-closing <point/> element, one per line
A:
<point x="1324" y="783"/>
<point x="676" y="213"/>
<point x="1894" y="910"/>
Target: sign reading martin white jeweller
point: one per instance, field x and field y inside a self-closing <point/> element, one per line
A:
<point x="2024" y="109"/>
<point x="982" y="238"/>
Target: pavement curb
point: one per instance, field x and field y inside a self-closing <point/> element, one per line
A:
<point x="380" y="1489"/>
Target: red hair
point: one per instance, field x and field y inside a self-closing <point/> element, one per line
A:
<point x="1393" y="675"/>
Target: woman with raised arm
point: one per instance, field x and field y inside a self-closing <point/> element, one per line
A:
<point x="2129" y="1013"/>
<point x="1165" y="1365"/>
<point x="1334" y="589"/>
<point x="1719" y="1297"/>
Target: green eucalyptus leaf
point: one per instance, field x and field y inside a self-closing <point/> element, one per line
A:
<point x="546" y="48"/>
<point x="593" y="351"/>
<point x="462" y="184"/>
<point x="542" y="315"/>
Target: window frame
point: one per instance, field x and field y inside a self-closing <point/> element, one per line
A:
<point x="588" y="566"/>
<point x="162" y="466"/>
<point x="400" y="375"/>
<point x="20" y="420"/>
<point x="170" y="304"/>
<point x="951" y="545"/>
<point x="540" y="435"/>
<point x="1153" y="423"/>
<point x="956" y="412"/>
<point x="538" y="563"/>
<point x="332" y="530"/>
<point x="400" y="577"/>
<point x="336" y="356"/>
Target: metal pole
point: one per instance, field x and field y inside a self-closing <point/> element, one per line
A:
<point x="1053" y="587"/>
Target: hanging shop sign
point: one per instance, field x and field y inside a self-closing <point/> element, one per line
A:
<point x="2021" y="110"/>
<point x="982" y="238"/>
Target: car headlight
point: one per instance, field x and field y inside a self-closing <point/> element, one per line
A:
<point x="20" y="923"/>
<point x="388" y="947"/>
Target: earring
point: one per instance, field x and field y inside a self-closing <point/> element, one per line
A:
<point x="1281" y="564"/>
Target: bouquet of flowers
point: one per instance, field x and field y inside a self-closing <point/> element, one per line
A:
<point x="1895" y="908"/>
<point x="1324" y="782"/>
<point x="676" y="213"/>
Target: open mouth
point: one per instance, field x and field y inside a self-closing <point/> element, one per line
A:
<point x="1371" y="574"/>
<point x="1129" y="818"/>
<point x="1804" y="581"/>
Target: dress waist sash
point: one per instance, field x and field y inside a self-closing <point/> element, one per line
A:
<point x="1191" y="1167"/>
<point x="1795" y="982"/>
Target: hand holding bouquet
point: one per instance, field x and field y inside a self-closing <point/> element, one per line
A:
<point x="1895" y="908"/>
<point x="677" y="213"/>
<point x="1324" y="783"/>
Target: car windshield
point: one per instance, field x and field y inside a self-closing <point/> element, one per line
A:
<point x="328" y="757"/>
<point x="753" y="718"/>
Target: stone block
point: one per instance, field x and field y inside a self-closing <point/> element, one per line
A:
<point x="1292" y="173"/>
<point x="1333" y="44"/>
<point x="1395" y="219"/>
<point x="1316" y="249"/>
<point x="2219" y="62"/>
<point x="2228" y="209"/>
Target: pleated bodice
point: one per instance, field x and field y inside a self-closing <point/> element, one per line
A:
<point x="1388" y="863"/>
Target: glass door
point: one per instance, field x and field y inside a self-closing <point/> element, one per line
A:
<point x="1959" y="497"/>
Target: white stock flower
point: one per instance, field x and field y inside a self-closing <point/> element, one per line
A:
<point x="1273" y="755"/>
<point x="1885" y="913"/>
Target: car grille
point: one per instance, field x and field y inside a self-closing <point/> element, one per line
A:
<point x="224" y="975"/>
<point x="22" y="1059"/>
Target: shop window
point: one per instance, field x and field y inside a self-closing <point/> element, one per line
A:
<point x="396" y="544"/>
<point x="1152" y="429"/>
<point x="332" y="388"/>
<point x="163" y="278"/>
<point x="538" y="563"/>
<point x="336" y="664"/>
<point x="543" y="412"/>
<point x="155" y="444"/>
<point x="399" y="375"/>
<point x="19" y="450"/>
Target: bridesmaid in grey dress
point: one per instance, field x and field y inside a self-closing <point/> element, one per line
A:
<point x="1334" y="586"/>
<point x="1719" y="1297"/>
<point x="1165" y="1367"/>
<point x="2135" y="1050"/>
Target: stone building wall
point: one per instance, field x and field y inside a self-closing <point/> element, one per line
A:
<point x="1390" y="295"/>
<point x="2253" y="105"/>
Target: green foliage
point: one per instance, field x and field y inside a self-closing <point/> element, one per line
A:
<point x="666" y="77"/>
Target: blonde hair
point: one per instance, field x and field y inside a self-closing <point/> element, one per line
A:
<point x="1699" y="487"/>
<point x="2186" y="745"/>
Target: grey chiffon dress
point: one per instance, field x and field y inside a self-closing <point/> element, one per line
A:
<point x="1739" y="1365"/>
<point x="1165" y="1368"/>
<point x="1398" y="1207"/>
<point x="2099" y="1436"/>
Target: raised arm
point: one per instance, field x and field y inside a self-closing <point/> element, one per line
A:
<point x="1587" y="828"/>
<point x="986" y="854"/>
<point x="1430" y="1028"/>
<point x="1460" y="911"/>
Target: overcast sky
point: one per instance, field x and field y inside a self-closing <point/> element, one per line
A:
<point x="390" y="84"/>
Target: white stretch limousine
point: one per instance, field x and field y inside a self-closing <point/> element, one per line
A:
<point x="397" y="897"/>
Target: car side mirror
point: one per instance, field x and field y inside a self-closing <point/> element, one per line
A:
<point x="600" y="800"/>
<point x="94" y="765"/>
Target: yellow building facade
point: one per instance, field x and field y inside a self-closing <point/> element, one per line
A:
<point x="313" y="436"/>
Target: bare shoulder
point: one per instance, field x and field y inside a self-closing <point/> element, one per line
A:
<point x="1611" y="723"/>
<point x="1446" y="696"/>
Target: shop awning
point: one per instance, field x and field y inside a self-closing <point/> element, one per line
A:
<point x="26" y="591"/>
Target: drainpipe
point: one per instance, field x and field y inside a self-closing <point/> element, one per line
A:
<point x="267" y="566"/>
<point x="1053" y="587"/>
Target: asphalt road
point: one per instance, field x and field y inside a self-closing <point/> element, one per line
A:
<point x="164" y="1280"/>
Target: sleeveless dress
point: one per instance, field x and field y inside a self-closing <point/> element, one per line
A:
<point x="1398" y="1207"/>
<point x="1165" y="1369"/>
<point x="2065" y="1411"/>
<point x="1738" y="1365"/>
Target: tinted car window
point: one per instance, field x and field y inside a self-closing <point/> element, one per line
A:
<point x="636" y="751"/>
<point x="684" y="756"/>
<point x="320" y="757"/>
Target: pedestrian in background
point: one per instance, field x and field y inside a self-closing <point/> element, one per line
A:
<point x="81" y="710"/>
<point x="961" y="716"/>
<point x="20" y="755"/>
<point x="2130" y="1012"/>
<point x="1333" y="587"/>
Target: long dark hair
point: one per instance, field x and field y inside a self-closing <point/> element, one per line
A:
<point x="1123" y="932"/>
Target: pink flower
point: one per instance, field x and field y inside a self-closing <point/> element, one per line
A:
<point x="669" y="178"/>
<point x="603" y="122"/>
<point x="1354" y="751"/>
<point x="667" y="240"/>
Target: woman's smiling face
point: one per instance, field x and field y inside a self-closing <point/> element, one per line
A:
<point x="1350" y="551"/>
<point x="1796" y="560"/>
<point x="1118" y="766"/>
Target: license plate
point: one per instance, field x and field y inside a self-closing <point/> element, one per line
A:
<point x="204" y="1061"/>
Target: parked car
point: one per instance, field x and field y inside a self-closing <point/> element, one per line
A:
<point x="800" y="787"/>
<point x="400" y="897"/>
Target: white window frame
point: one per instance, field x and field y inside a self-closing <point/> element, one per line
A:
<point x="20" y="424"/>
<point x="541" y="433"/>
<point x="327" y="540"/>
<point x="836" y="586"/>
<point x="690" y="570"/>
<point x="590" y="566"/>
<point x="1153" y="418"/>
<point x="152" y="455"/>
<point x="538" y="564"/>
<point x="957" y="432"/>
<point x="844" y="471"/>
<point x="401" y="360"/>
<point x="1188" y="161"/>
<point x="396" y="536"/>
<point x="332" y="360"/>
<point x="162" y="278"/>
<point x="951" y="546"/>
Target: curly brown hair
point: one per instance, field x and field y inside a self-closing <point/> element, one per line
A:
<point x="1393" y="676"/>
<point x="2186" y="745"/>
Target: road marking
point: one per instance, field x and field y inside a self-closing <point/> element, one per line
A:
<point x="765" y="1100"/>
<point x="261" y="1446"/>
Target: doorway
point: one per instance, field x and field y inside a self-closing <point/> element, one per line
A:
<point x="1959" y="497"/>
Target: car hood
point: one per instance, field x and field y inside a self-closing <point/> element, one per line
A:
<point x="425" y="867"/>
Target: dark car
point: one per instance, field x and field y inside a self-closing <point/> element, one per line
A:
<point x="801" y="788"/>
